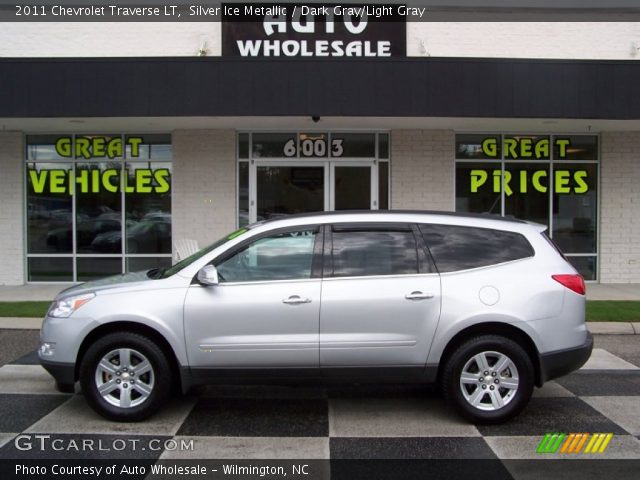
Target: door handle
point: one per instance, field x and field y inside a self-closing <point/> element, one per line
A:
<point x="417" y="295"/>
<point x="296" y="300"/>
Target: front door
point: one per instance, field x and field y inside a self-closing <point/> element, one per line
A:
<point x="265" y="310"/>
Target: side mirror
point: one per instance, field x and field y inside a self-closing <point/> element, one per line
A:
<point x="208" y="276"/>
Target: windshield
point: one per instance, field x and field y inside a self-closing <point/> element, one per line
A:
<point x="199" y="254"/>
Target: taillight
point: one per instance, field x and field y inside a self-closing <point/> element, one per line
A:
<point x="573" y="282"/>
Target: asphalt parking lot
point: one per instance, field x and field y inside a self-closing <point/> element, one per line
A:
<point x="404" y="423"/>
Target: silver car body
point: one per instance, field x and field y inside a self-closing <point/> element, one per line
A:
<point x="342" y="324"/>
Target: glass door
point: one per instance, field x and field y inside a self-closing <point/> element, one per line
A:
<point x="286" y="188"/>
<point x="278" y="188"/>
<point x="353" y="185"/>
<point x="284" y="173"/>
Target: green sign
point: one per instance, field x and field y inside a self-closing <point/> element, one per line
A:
<point x="96" y="146"/>
<point x="61" y="181"/>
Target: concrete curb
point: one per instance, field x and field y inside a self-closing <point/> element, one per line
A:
<point x="613" y="328"/>
<point x="601" y="328"/>
<point x="20" y="323"/>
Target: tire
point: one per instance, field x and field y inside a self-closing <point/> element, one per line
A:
<point x="497" y="396"/>
<point x="66" y="387"/>
<point x="132" y="390"/>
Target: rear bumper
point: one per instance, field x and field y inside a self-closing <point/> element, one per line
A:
<point x="63" y="373"/>
<point x="561" y="362"/>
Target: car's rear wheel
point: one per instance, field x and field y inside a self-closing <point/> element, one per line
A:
<point x="488" y="379"/>
<point x="125" y="376"/>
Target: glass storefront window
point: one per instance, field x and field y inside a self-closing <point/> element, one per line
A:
<point x="93" y="268"/>
<point x="102" y="146"/>
<point x="353" y="145"/>
<point x="314" y="144"/>
<point x="383" y="186"/>
<point x="585" y="265"/>
<point x="41" y="148"/>
<point x="526" y="147"/>
<point x="98" y="208"/>
<point x="274" y="145"/>
<point x="138" y="264"/>
<point x="472" y="146"/>
<point x="49" y="208"/>
<point x="50" y="269"/>
<point x="576" y="147"/>
<point x="549" y="179"/>
<point x="148" y="208"/>
<point x="243" y="145"/>
<point x="243" y="194"/>
<point x="383" y="145"/>
<point x="80" y="209"/>
<point x="574" y="207"/>
<point x="153" y="147"/>
<point x="478" y="187"/>
<point x="526" y="191"/>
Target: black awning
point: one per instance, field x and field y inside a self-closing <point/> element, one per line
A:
<point x="421" y="87"/>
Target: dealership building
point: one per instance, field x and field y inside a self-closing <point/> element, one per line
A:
<point x="120" y="140"/>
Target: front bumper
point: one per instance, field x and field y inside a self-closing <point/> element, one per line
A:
<point x="561" y="362"/>
<point x="63" y="373"/>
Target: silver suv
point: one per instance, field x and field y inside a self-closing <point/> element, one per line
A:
<point x="485" y="306"/>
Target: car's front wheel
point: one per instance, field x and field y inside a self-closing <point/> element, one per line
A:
<point x="488" y="379"/>
<point x="125" y="376"/>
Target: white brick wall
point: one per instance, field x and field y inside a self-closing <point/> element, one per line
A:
<point x="98" y="39"/>
<point x="620" y="207"/>
<point x="204" y="184"/>
<point x="576" y="40"/>
<point x="579" y="40"/>
<point x="12" y="211"/>
<point x="422" y="169"/>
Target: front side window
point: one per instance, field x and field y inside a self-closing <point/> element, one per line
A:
<point x="282" y="256"/>
<point x="373" y="252"/>
<point x="460" y="248"/>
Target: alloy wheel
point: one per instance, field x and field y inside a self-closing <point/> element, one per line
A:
<point x="124" y="378"/>
<point x="489" y="380"/>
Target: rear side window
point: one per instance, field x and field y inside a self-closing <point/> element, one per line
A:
<point x="373" y="252"/>
<point x="459" y="248"/>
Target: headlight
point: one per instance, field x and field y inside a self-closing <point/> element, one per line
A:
<point x="65" y="307"/>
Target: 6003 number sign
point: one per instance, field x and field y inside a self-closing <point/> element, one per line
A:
<point x="313" y="147"/>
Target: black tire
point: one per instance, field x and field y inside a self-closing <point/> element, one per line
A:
<point x="66" y="387"/>
<point x="455" y="363"/>
<point x="161" y="371"/>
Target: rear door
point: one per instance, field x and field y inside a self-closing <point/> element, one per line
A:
<point x="380" y="297"/>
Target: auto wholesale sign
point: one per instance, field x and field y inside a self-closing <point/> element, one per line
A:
<point x="313" y="31"/>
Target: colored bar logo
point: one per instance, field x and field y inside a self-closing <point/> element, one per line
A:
<point x="574" y="443"/>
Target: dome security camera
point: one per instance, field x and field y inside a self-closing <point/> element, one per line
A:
<point x="315" y="118"/>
